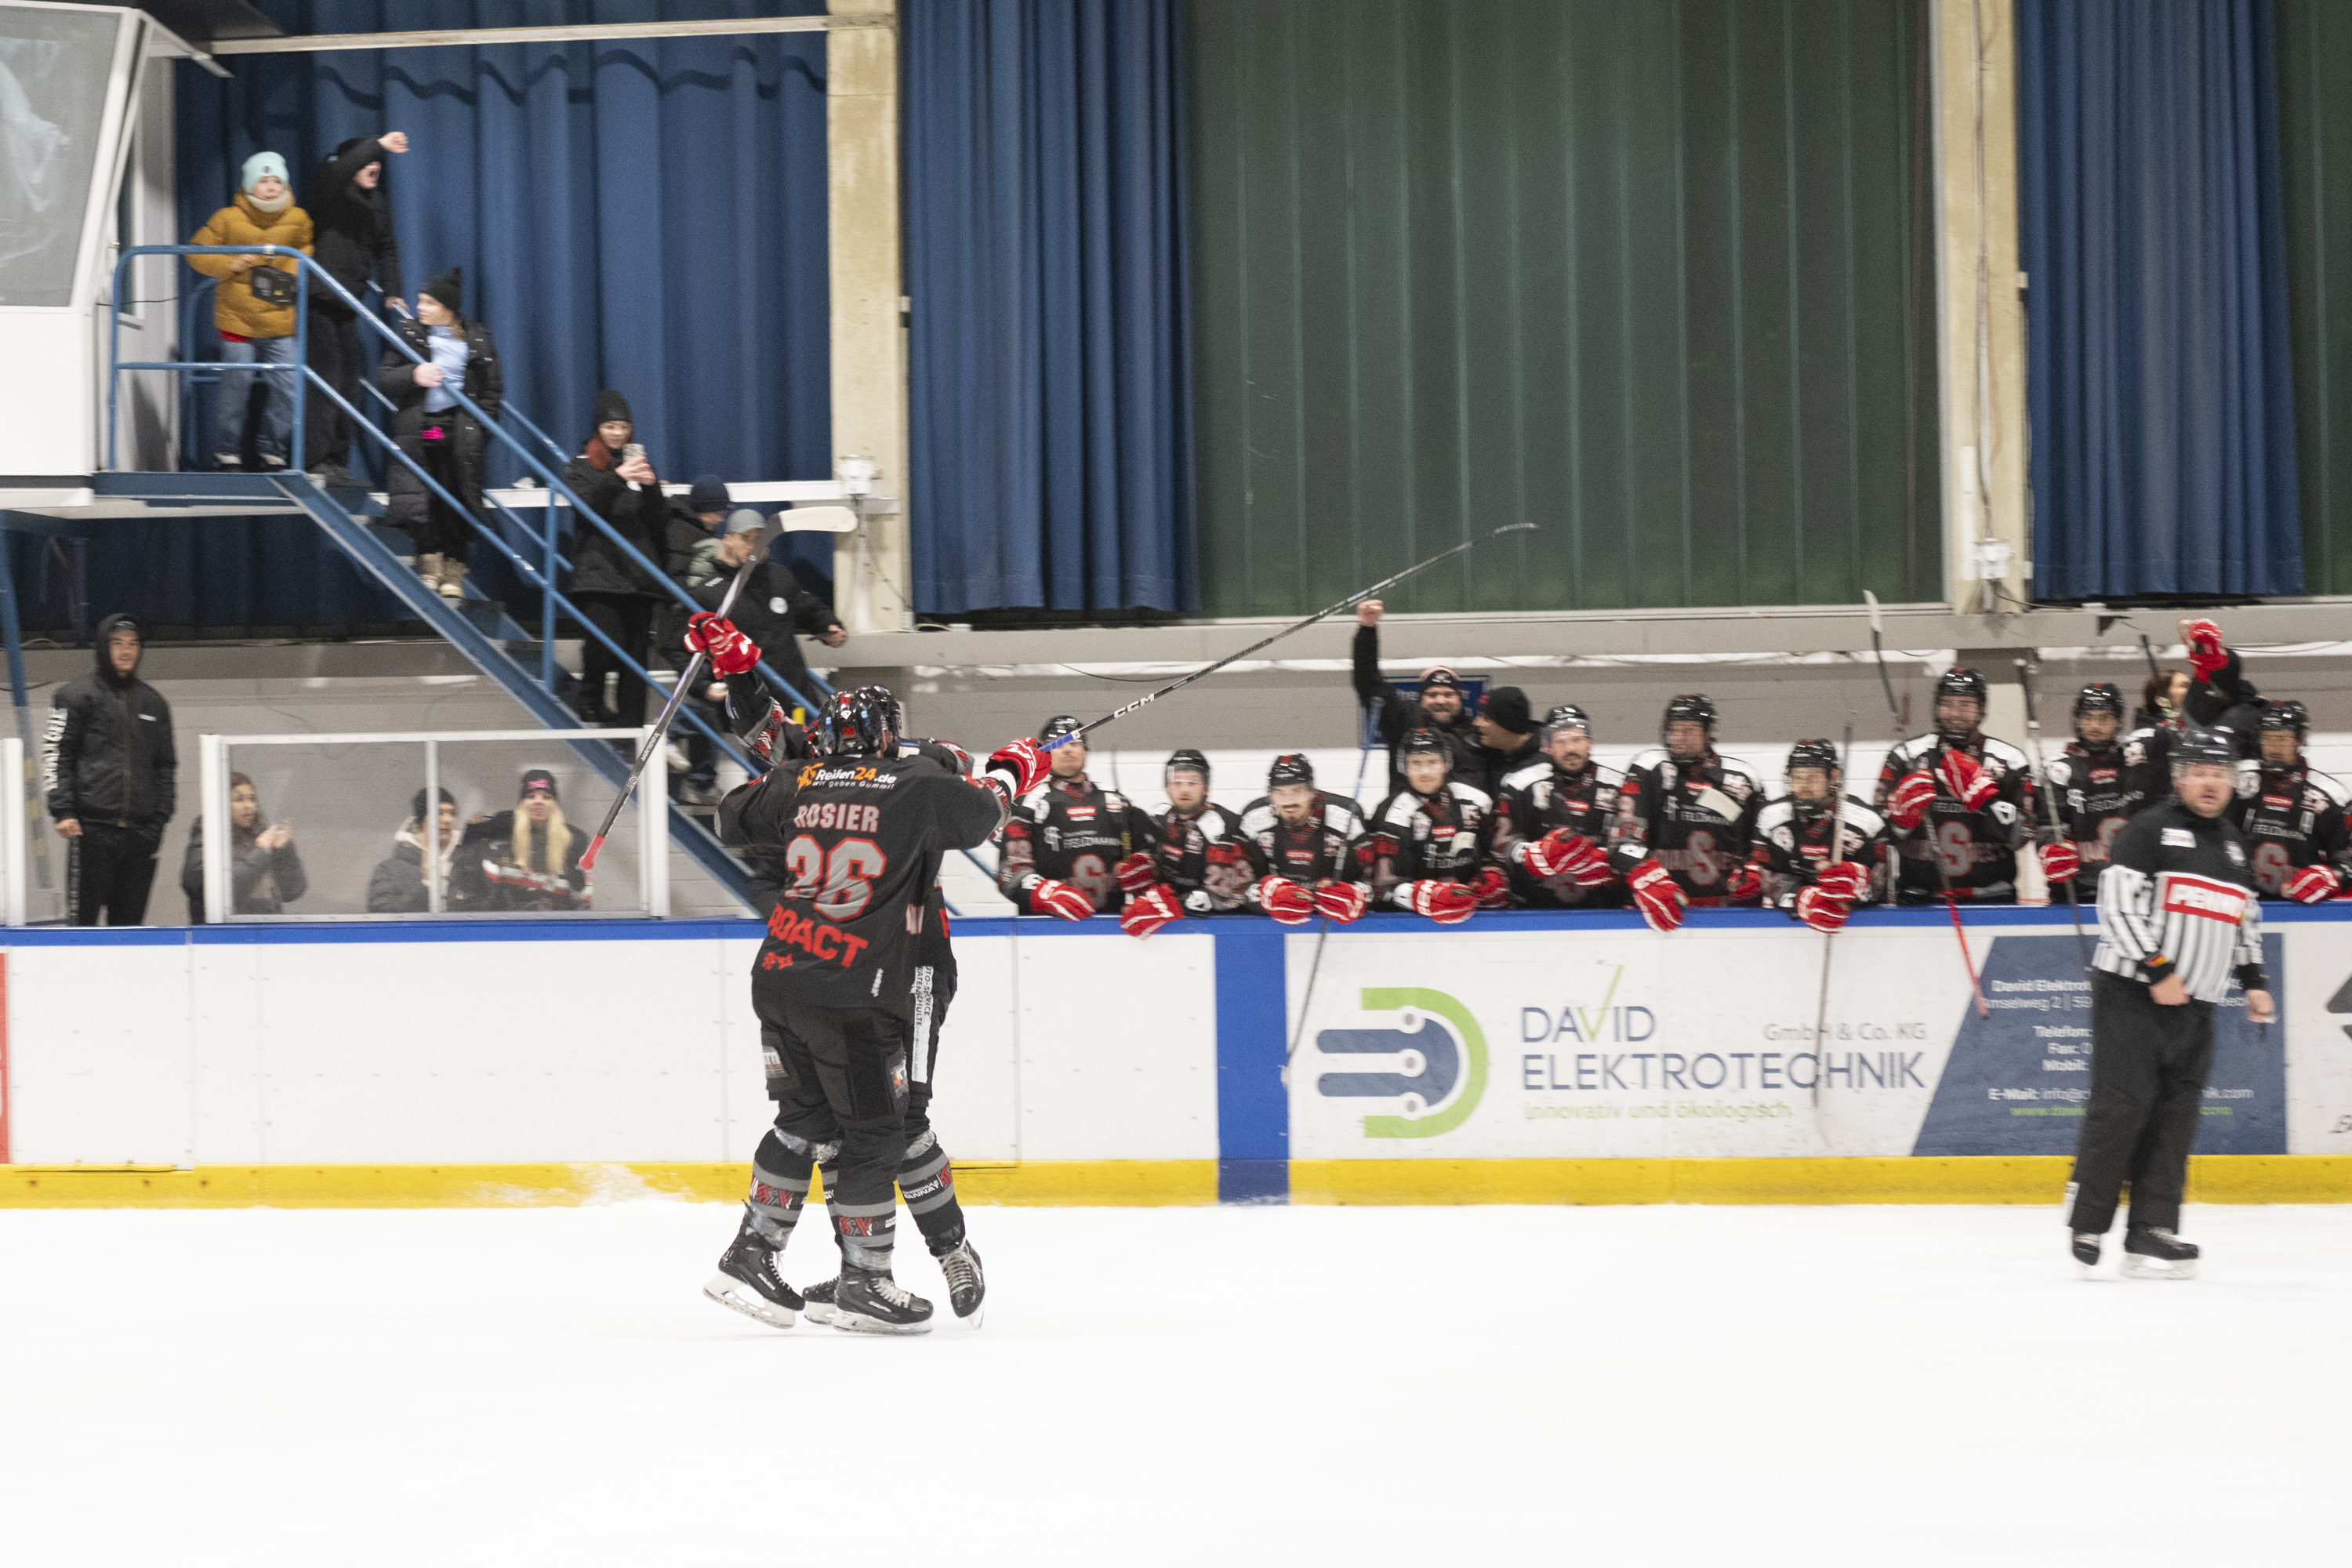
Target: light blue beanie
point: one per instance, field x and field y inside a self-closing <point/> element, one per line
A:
<point x="262" y="164"/>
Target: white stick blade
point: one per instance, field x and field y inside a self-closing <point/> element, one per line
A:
<point x="818" y="520"/>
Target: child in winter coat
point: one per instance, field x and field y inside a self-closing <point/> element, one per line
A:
<point x="256" y="324"/>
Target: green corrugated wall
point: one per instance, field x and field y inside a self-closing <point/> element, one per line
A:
<point x="2315" y="70"/>
<point x="1655" y="274"/>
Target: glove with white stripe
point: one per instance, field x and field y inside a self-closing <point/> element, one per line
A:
<point x="1909" y="800"/>
<point x="1150" y="910"/>
<point x="2312" y="885"/>
<point x="1655" y="895"/>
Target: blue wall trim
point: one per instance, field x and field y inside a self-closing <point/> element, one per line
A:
<point x="1253" y="1101"/>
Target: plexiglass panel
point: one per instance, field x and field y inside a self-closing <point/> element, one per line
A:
<point x="53" y="66"/>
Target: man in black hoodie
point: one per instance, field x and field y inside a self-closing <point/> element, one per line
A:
<point x="107" y="765"/>
<point x="353" y="238"/>
<point x="1438" y="706"/>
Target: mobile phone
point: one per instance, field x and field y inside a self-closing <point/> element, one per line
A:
<point x="634" y="452"/>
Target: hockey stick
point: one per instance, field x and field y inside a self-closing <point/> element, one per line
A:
<point x="2026" y="673"/>
<point x="810" y="519"/>
<point x="1894" y="712"/>
<point x="1829" y="938"/>
<point x="1323" y="924"/>
<point x="1359" y="594"/>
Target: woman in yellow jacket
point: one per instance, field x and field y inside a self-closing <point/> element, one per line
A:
<point x="256" y="324"/>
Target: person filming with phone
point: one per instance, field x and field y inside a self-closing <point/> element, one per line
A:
<point x="613" y="478"/>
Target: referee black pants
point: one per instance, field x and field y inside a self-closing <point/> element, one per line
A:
<point x="2148" y="1067"/>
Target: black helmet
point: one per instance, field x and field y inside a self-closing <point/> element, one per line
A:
<point x="1961" y="681"/>
<point x="1059" y="725"/>
<point x="863" y="721"/>
<point x="1185" y="761"/>
<point x="1290" y="768"/>
<point x="2288" y="714"/>
<point x="2098" y="696"/>
<point x="2198" y="747"/>
<point x="1813" y="755"/>
<point x="1567" y="716"/>
<point x="1691" y="708"/>
<point x="1423" y="740"/>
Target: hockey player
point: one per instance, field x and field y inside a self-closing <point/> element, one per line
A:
<point x="1307" y="847"/>
<point x="1961" y="802"/>
<point x="1203" y="864"/>
<point x="2292" y="819"/>
<point x="2177" y="917"/>
<point x="1073" y="849"/>
<point x="1552" y="823"/>
<point x="1792" y="856"/>
<point x="854" y="841"/>
<point x="1684" y="823"/>
<point x="1429" y="841"/>
<point x="2100" y="783"/>
<point x="1438" y="709"/>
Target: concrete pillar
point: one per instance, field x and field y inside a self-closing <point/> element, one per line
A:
<point x="1982" y="310"/>
<point x="872" y="568"/>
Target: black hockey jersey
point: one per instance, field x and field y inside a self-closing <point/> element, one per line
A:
<point x="1699" y="821"/>
<point x="1541" y="798"/>
<point x="1976" y="850"/>
<point x="1415" y="837"/>
<point x="2098" y="789"/>
<point x="1792" y="844"/>
<point x="1072" y="832"/>
<point x="2290" y="818"/>
<point x="854" y="845"/>
<point x="1206" y="860"/>
<point x="1329" y="847"/>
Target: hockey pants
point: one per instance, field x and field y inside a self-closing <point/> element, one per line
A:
<point x="2148" y="1065"/>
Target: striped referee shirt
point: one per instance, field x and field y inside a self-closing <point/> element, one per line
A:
<point x="2177" y="896"/>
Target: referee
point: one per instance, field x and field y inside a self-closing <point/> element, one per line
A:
<point x="2177" y="917"/>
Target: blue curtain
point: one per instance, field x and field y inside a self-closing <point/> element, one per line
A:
<point x="2158" y="377"/>
<point x="1049" y="400"/>
<point x="647" y="215"/>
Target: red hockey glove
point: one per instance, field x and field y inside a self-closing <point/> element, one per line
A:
<point x="1491" y="889"/>
<point x="731" y="653"/>
<point x="1285" y="901"/>
<point x="2312" y="885"/>
<point x="1047" y="897"/>
<point x="1342" y="901"/>
<point x="1447" y="903"/>
<point x="1150" y="910"/>
<point x="1823" y="912"/>
<point x="2207" y="656"/>
<point x="1842" y="880"/>
<point x="1913" y="793"/>
<point x="2061" y="861"/>
<point x="1017" y="767"/>
<point x="770" y="734"/>
<point x="1655" y="895"/>
<point x="1745" y="882"/>
<point x="1967" y="778"/>
<point x="1135" y="873"/>
<point x="1563" y="853"/>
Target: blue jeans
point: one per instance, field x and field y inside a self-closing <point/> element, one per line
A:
<point x="276" y="434"/>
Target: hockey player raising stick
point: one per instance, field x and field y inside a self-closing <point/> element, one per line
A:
<point x="1429" y="841"/>
<point x="1684" y="823"/>
<point x="1551" y="825"/>
<point x="1962" y="802"/>
<point x="1792" y="855"/>
<point x="1203" y="864"/>
<point x="1307" y="846"/>
<point x="1072" y="849"/>
<point x="2177" y="918"/>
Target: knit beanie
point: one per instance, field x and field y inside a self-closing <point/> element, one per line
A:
<point x="416" y="806"/>
<point x="610" y="405"/>
<point x="449" y="289"/>
<point x="538" y="778"/>
<point x="262" y="164"/>
<point x="1506" y="708"/>
<point x="708" y="494"/>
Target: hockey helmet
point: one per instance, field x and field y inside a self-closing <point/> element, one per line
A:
<point x="1567" y="716"/>
<point x="1689" y="707"/>
<point x="1813" y="755"/>
<point x="863" y="721"/>
<point x="2198" y="747"/>
<point x="1961" y="681"/>
<point x="1185" y="761"/>
<point x="2099" y="696"/>
<point x="1290" y="768"/>
<point x="1423" y="740"/>
<point x="1059" y="725"/>
<point x="2289" y="715"/>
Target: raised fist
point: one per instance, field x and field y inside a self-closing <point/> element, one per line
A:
<point x="1149" y="910"/>
<point x="1285" y="901"/>
<point x="1135" y="873"/>
<point x="1048" y="896"/>
<point x="1913" y="793"/>
<point x="1342" y="902"/>
<point x="1823" y="912"/>
<point x="2207" y="656"/>
<point x="731" y="653"/>
<point x="1842" y="880"/>
<point x="1492" y="887"/>
<point x="1447" y="903"/>
<point x="1368" y="613"/>
<point x="1019" y="765"/>
<point x="1655" y="895"/>
<point x="1970" y="782"/>
<point x="2060" y="861"/>
<point x="2312" y="885"/>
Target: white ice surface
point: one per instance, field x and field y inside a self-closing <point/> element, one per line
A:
<point x="1195" y="1386"/>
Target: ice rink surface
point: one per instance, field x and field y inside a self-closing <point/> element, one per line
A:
<point x="1198" y="1386"/>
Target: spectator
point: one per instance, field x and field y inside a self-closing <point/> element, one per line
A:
<point x="1504" y="725"/>
<point x="1439" y="707"/>
<point x="396" y="887"/>
<point x="354" y="240"/>
<point x="612" y="477"/>
<point x="770" y="610"/>
<point x="253" y="309"/>
<point x="111" y="773"/>
<point x="443" y="439"/>
<point x="264" y="869"/>
<point x="531" y="859"/>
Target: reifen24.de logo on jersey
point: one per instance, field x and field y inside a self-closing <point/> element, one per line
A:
<point x="1432" y="1061"/>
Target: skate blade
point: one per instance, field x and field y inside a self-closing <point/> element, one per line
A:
<point x="819" y="1312"/>
<point x="735" y="1296"/>
<point x="2138" y="1268"/>
<point x="978" y="1316"/>
<point x="859" y="1323"/>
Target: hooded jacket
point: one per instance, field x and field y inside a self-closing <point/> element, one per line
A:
<point x="354" y="227"/>
<point x="235" y="309"/>
<point x="107" y="755"/>
<point x="396" y="887"/>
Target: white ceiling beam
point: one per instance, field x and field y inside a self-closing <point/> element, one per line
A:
<point x="442" y="37"/>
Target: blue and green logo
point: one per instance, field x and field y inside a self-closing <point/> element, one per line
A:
<point x="1439" y="1039"/>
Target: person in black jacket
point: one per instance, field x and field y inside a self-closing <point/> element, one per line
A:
<point x="773" y="610"/>
<point x="265" y="868"/>
<point x="396" y="885"/>
<point x="612" y="477"/>
<point x="353" y="238"/>
<point x="434" y="431"/>
<point x="1439" y="707"/>
<point x="111" y="774"/>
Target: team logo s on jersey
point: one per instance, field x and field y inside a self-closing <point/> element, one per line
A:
<point x="2180" y="893"/>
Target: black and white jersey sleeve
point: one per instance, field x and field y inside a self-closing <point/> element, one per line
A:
<point x="2177" y="898"/>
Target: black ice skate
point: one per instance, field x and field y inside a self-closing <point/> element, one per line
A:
<point x="967" y="1286"/>
<point x="2152" y="1252"/>
<point x="748" y="1282"/>
<point x="868" y="1301"/>
<point x="2086" y="1250"/>
<point x="817" y="1301"/>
